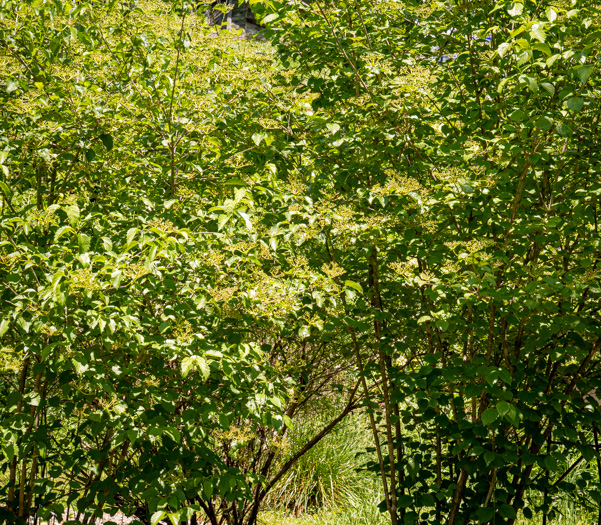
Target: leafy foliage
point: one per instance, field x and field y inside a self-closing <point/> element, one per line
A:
<point x="196" y="244"/>
<point x="470" y="220"/>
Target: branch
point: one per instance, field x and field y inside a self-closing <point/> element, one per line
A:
<point x="351" y="405"/>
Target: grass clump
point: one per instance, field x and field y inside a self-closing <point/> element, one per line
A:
<point x="329" y="484"/>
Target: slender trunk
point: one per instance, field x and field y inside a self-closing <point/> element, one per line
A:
<point x="172" y="151"/>
<point x="400" y="455"/>
<point x="491" y="487"/>
<point x="385" y="380"/>
<point x="12" y="477"/>
<point x="39" y="194"/>
<point x="546" y="492"/>
<point x="596" y="433"/>
<point x="22" y="488"/>
<point x="370" y="403"/>
<point x="457" y="496"/>
<point x="173" y="139"/>
<point x="438" y="462"/>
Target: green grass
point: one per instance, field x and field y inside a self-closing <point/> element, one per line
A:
<point x="368" y="514"/>
<point x="328" y="486"/>
<point x="330" y="475"/>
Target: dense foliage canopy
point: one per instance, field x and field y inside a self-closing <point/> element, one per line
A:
<point x="390" y="206"/>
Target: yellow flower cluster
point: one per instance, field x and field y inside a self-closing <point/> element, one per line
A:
<point x="70" y="199"/>
<point x="182" y="191"/>
<point x="478" y="245"/>
<point x="332" y="270"/>
<point x="398" y="185"/>
<point x="8" y="259"/>
<point x="295" y="187"/>
<point x="136" y="270"/>
<point x="161" y="224"/>
<point x="405" y="269"/>
<point x="272" y="298"/>
<point x="43" y="218"/>
<point x="50" y="331"/>
<point x="10" y="360"/>
<point x="83" y="280"/>
<point x="223" y="295"/>
<point x="213" y="258"/>
<point x="183" y="331"/>
<point x="344" y="218"/>
<point x="240" y="434"/>
<point x="150" y="380"/>
<point x="242" y="246"/>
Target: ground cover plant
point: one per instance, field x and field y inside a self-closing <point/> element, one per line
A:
<point x="218" y="254"/>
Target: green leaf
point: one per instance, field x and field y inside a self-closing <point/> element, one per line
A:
<point x="10" y="450"/>
<point x="222" y="221"/>
<point x="538" y="33"/>
<point x="173" y="433"/>
<point x="532" y="84"/>
<point x="575" y="104"/>
<point x="518" y="115"/>
<point x="354" y="285"/>
<point x="588" y="452"/>
<point x="5" y="189"/>
<point x="503" y="408"/>
<point x="72" y="214"/>
<point x="207" y="486"/>
<point x="507" y="511"/>
<point x="473" y="390"/>
<point x="79" y="366"/>
<point x="270" y="18"/>
<point x="84" y="243"/>
<point x="116" y="277"/>
<point x="4" y="326"/>
<point x="504" y="48"/>
<point x="131" y="233"/>
<point x="246" y="219"/>
<point x="196" y="363"/>
<point x="187" y="365"/>
<point x="443" y="324"/>
<point x="107" y="140"/>
<point x="156" y="517"/>
<point x="489" y="457"/>
<point x="489" y="416"/>
<point x="551" y="60"/>
<point x="551" y="463"/>
<point x="502" y="84"/>
<point x="544" y="48"/>
<point x="61" y="231"/>
<point x="485" y="514"/>
<point x="516" y="9"/>
<point x="563" y="130"/>
<point x="584" y="72"/>
<point x="544" y="123"/>
<point x="551" y="14"/>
